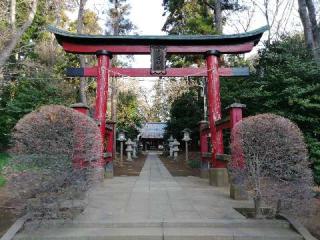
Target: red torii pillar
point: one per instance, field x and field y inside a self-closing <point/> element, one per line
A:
<point x="218" y="174"/>
<point x="102" y="96"/>
<point x="214" y="106"/>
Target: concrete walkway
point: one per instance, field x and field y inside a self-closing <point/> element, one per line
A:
<point x="155" y="194"/>
<point x="157" y="206"/>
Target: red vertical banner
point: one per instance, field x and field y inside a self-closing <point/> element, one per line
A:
<point x="214" y="106"/>
<point x="102" y="92"/>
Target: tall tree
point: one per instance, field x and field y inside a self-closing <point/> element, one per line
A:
<point x="285" y="83"/>
<point x="83" y="80"/>
<point x="192" y="17"/>
<point x="14" y="35"/>
<point x="118" y="23"/>
<point x="129" y="117"/>
<point x="186" y="112"/>
<point x="310" y="26"/>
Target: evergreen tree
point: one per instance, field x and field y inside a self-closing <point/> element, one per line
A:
<point x="285" y="83"/>
<point x="186" y="112"/>
<point x="26" y="95"/>
<point x="118" y="22"/>
<point x="128" y="116"/>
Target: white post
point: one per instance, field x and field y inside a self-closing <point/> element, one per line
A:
<point x="187" y="154"/>
<point x="121" y="153"/>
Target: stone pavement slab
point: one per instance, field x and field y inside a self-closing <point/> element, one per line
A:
<point x="155" y="194"/>
<point x="155" y="206"/>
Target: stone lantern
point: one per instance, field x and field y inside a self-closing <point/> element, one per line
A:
<point x="170" y="140"/>
<point x="175" y="148"/>
<point x="129" y="149"/>
<point x="121" y="139"/>
<point x="186" y="138"/>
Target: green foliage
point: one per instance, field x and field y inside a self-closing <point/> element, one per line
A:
<point x="286" y="82"/>
<point x="4" y="158"/>
<point x="188" y="17"/>
<point x="119" y="22"/>
<point x="128" y="116"/>
<point x="186" y="112"/>
<point x="25" y="95"/>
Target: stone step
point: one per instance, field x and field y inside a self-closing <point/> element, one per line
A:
<point x="173" y="223"/>
<point x="162" y="233"/>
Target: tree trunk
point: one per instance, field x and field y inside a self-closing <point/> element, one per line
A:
<point x="257" y="207"/>
<point x="304" y="16"/>
<point x="13" y="4"/>
<point x="314" y="29"/>
<point x="114" y="115"/>
<point x="218" y="16"/>
<point x="83" y="80"/>
<point x="114" y="92"/>
<point x="16" y="36"/>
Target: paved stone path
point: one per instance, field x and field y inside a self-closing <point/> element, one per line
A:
<point x="155" y="194"/>
<point x="157" y="206"/>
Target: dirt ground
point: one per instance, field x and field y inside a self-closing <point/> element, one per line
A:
<point x="10" y="210"/>
<point x="179" y="167"/>
<point x="313" y="222"/>
<point x="129" y="168"/>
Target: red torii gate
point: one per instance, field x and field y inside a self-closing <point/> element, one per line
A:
<point x="210" y="46"/>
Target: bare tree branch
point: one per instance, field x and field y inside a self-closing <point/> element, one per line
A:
<point x="16" y="36"/>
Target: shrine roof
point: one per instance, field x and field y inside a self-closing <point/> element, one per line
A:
<point x="153" y="130"/>
<point x="65" y="36"/>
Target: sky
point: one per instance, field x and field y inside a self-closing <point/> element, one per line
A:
<point x="146" y="15"/>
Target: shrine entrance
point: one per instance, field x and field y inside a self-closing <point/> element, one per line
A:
<point x="211" y="47"/>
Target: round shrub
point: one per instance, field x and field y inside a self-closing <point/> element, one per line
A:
<point x="45" y="144"/>
<point x="276" y="167"/>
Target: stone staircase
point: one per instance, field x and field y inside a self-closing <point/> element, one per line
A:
<point x="161" y="230"/>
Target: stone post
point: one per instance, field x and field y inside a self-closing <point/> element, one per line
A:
<point x="170" y="140"/>
<point x="204" y="149"/>
<point x="81" y="108"/>
<point x="186" y="138"/>
<point x="134" y="153"/>
<point x="121" y="139"/>
<point x="237" y="188"/>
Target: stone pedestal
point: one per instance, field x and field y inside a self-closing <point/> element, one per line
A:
<point x="129" y="158"/>
<point x="109" y="170"/>
<point x="204" y="173"/>
<point x="218" y="177"/>
<point x="238" y="192"/>
<point x="97" y="174"/>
